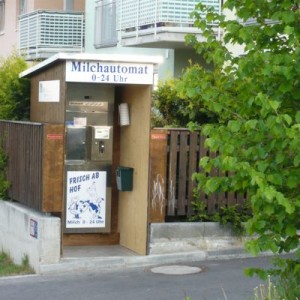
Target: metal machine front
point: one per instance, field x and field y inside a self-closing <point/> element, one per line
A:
<point x="88" y="162"/>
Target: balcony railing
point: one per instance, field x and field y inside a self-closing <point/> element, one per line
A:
<point x="44" y="33"/>
<point x="143" y="21"/>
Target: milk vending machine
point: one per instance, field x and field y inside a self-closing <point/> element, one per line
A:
<point x="88" y="159"/>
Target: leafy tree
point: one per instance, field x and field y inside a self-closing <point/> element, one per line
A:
<point x="14" y="91"/>
<point x="257" y="99"/>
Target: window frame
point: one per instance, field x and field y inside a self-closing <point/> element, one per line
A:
<point x="2" y="16"/>
<point x="68" y="5"/>
<point x="22" y="8"/>
<point x="105" y="24"/>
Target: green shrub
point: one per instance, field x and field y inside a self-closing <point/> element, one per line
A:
<point x="235" y="216"/>
<point x="267" y="293"/>
<point x="232" y="215"/>
<point x="4" y="184"/>
<point x="7" y="267"/>
<point x="286" y="275"/>
<point x="14" y="91"/>
<point x="288" y="278"/>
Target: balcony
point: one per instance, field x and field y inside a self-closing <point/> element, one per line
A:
<point x="158" y="23"/>
<point x="44" y="33"/>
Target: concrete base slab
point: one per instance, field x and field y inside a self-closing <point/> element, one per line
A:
<point x="188" y="237"/>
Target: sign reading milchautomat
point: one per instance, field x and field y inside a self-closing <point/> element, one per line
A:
<point x="109" y="72"/>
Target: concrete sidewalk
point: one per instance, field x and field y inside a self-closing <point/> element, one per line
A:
<point x="101" y="258"/>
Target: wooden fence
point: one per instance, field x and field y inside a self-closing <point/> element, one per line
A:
<point x="35" y="169"/>
<point x="35" y="163"/>
<point x="174" y="157"/>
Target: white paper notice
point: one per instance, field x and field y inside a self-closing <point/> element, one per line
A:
<point x="49" y="91"/>
<point x="80" y="121"/>
<point x="102" y="132"/>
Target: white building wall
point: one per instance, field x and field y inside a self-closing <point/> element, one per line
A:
<point x="9" y="37"/>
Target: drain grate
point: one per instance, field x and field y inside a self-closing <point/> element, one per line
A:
<point x="176" y="270"/>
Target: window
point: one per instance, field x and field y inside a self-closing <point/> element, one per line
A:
<point x="69" y="5"/>
<point x="105" y="24"/>
<point x="22" y="7"/>
<point x="2" y="15"/>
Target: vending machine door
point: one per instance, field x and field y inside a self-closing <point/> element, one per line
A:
<point x="75" y="143"/>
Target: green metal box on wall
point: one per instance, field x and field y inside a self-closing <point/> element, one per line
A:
<point x="124" y="178"/>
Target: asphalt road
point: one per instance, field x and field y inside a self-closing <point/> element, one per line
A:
<point x="219" y="280"/>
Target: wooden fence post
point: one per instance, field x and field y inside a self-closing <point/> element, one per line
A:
<point x="158" y="175"/>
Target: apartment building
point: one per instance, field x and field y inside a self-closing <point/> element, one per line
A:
<point x="41" y="28"/>
<point x="38" y="29"/>
<point x="142" y="27"/>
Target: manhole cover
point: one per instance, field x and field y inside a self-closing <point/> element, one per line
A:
<point x="176" y="270"/>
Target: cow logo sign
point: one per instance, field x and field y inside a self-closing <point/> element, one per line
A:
<point x="86" y="199"/>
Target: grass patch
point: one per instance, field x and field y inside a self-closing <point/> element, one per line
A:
<point x="8" y="268"/>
